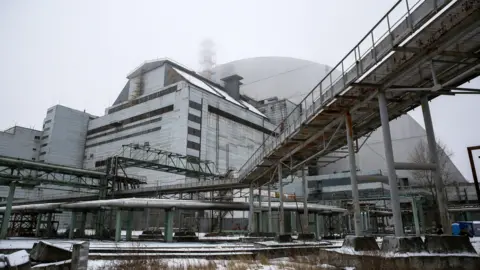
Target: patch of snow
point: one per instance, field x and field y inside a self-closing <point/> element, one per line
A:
<point x="52" y="264"/>
<point x="18" y="258"/>
<point x="252" y="108"/>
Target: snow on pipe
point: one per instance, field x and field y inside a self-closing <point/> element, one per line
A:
<point x="51" y="166"/>
<point x="169" y="204"/>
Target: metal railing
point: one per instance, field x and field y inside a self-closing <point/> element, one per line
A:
<point x="376" y="45"/>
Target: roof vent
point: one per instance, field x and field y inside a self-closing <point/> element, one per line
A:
<point x="232" y="85"/>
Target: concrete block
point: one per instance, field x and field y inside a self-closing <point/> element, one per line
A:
<point x="48" y="252"/>
<point x="284" y="238"/>
<point x="448" y="244"/>
<point x="361" y="243"/>
<point x="18" y="260"/>
<point x="306" y="237"/>
<point x="402" y="244"/>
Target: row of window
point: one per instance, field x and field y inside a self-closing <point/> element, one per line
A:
<point x="124" y="137"/>
<point x="239" y="120"/>
<point x="125" y="128"/>
<point x="144" y="99"/>
<point x="44" y="137"/>
<point x="132" y="119"/>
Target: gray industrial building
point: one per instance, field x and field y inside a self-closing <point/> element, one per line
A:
<point x="167" y="106"/>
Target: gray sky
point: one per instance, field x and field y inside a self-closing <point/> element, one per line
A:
<point x="77" y="53"/>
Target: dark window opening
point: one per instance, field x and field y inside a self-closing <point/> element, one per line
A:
<point x="193" y="145"/>
<point x="194" y="131"/>
<point x="124" y="137"/>
<point x="195" y="105"/>
<point x="240" y="120"/>
<point x="144" y="99"/>
<point x="194" y="118"/>
<point x="37" y="137"/>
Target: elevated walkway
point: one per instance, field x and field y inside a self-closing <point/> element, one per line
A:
<point x="431" y="50"/>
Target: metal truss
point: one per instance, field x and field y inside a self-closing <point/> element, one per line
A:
<point x="146" y="157"/>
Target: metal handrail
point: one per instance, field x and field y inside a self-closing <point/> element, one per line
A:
<point x="315" y="100"/>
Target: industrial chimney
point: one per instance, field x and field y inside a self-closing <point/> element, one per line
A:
<point x="232" y="85"/>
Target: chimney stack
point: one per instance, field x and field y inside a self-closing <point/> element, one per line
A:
<point x="232" y="85"/>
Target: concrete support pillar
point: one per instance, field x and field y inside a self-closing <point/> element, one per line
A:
<point x="83" y="223"/>
<point x="269" y="219"/>
<point x="293" y="221"/>
<point x="281" y="213"/>
<point x="118" y="225"/>
<point x="392" y="176"/>
<point x="353" y="175"/>
<point x="433" y="155"/>
<point x="73" y="222"/>
<point x="38" y="225"/>
<point x="8" y="211"/>
<point x="129" y="225"/>
<point x="260" y="221"/>
<point x="305" y="202"/>
<point x="49" y="224"/>
<point x="415" y="217"/>
<point x="251" y="209"/>
<point x="168" y="230"/>
<point x="318" y="231"/>
<point x="421" y="216"/>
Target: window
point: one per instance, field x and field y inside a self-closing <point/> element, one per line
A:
<point x="194" y="118"/>
<point x="100" y="163"/>
<point x="144" y="99"/>
<point x="42" y="153"/>
<point x="124" y="137"/>
<point x="48" y="121"/>
<point x="45" y="144"/>
<point x="44" y="137"/>
<point x="46" y="129"/>
<point x="195" y="105"/>
<point x="193" y="145"/>
<point x="33" y="158"/>
<point x="133" y="119"/>
<point x="37" y="137"/>
<point x="194" y="131"/>
<point x="50" y="110"/>
<point x="34" y="149"/>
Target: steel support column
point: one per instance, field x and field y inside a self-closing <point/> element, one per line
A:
<point x="169" y="225"/>
<point x="250" y="212"/>
<point x="118" y="225"/>
<point x="83" y="222"/>
<point x="433" y="155"/>
<point x="416" y="221"/>
<point x="317" y="226"/>
<point x="73" y="222"/>
<point x="353" y="175"/>
<point x="8" y="211"/>
<point x="281" y="218"/>
<point x="269" y="220"/>
<point x="421" y="216"/>
<point x="38" y="225"/>
<point x="305" y="202"/>
<point x="392" y="176"/>
<point x="49" y="224"/>
<point x="129" y="225"/>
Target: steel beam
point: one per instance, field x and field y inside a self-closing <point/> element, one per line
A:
<point x="73" y="222"/>
<point x="415" y="217"/>
<point x="392" y="176"/>
<point x="8" y="211"/>
<point x="281" y="218"/>
<point x="305" y="201"/>
<point x="474" y="170"/>
<point x="353" y="175"/>
<point x="269" y="220"/>
<point x="415" y="166"/>
<point x="250" y="212"/>
<point x="433" y="155"/>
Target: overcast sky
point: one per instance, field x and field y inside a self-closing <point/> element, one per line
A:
<point x="77" y="53"/>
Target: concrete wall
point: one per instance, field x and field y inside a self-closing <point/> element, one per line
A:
<point x="66" y="136"/>
<point x="20" y="142"/>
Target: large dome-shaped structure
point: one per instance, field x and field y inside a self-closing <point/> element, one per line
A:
<point x="265" y="77"/>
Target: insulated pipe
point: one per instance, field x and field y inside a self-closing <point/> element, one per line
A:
<point x="50" y="166"/>
<point x="171" y="203"/>
<point x="415" y="166"/>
